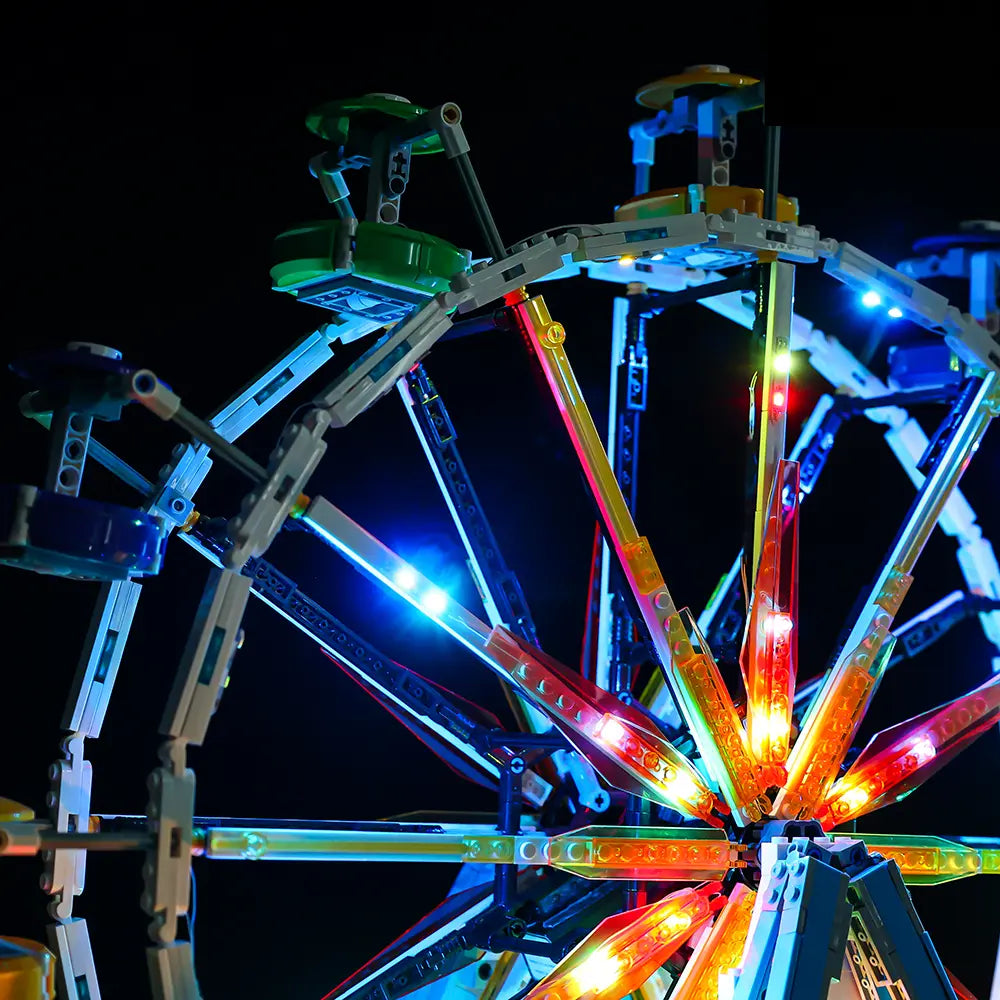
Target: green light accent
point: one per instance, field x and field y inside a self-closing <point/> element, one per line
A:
<point x="718" y="588"/>
<point x="928" y="860"/>
<point x="387" y="255"/>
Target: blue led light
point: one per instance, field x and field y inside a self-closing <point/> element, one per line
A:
<point x="434" y="600"/>
<point x="871" y="299"/>
<point x="406" y="578"/>
<point x="895" y="312"/>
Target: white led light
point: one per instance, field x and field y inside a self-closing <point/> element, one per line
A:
<point x="434" y="601"/>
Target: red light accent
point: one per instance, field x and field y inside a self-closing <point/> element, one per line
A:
<point x="778" y="399"/>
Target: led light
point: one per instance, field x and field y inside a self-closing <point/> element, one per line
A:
<point x="871" y="299"/>
<point x="625" y="261"/>
<point x="681" y="787"/>
<point x="783" y="363"/>
<point x="597" y="973"/>
<point x="434" y="601"/>
<point x="610" y="730"/>
<point x="777" y="623"/>
<point x="405" y="578"/>
<point x="854" y="798"/>
<point x="895" y="312"/>
<point x="777" y="726"/>
<point x="923" y="750"/>
<point x="778" y="399"/>
<point x="657" y="256"/>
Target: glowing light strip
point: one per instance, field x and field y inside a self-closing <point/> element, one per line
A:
<point x="536" y="721"/>
<point x="837" y="710"/>
<point x="623" y="951"/>
<point x="701" y="693"/>
<point x="718" y="951"/>
<point x="666" y="775"/>
<point x="883" y="776"/>
<point x="774" y="394"/>
<point x="768" y="656"/>
<point x="926" y="860"/>
<point x="481" y="760"/>
<point x="682" y="855"/>
<point x="489" y="604"/>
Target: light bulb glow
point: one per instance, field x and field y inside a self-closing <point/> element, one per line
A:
<point x="680" y="786"/>
<point x="610" y="730"/>
<point x="778" y="399"/>
<point x="625" y="261"/>
<point x="405" y="578"/>
<point x="778" y="623"/>
<point x="783" y="363"/>
<point x="657" y="256"/>
<point x="854" y="798"/>
<point x="923" y="750"/>
<point x="434" y="601"/>
<point x="597" y="973"/>
<point x="777" y="726"/>
<point x="871" y="299"/>
<point x="895" y="312"/>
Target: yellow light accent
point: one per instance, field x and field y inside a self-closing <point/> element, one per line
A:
<point x="626" y="260"/>
<point x="854" y="798"/>
<point x="597" y="973"/>
<point x="777" y="726"/>
<point x="783" y="363"/>
<point x="681" y="787"/>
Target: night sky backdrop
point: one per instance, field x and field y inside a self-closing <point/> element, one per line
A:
<point x="150" y="177"/>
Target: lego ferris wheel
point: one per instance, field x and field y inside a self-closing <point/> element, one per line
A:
<point x="688" y="840"/>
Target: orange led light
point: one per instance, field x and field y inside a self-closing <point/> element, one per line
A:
<point x="768" y="656"/>
<point x="623" y="951"/>
<point x="720" y="950"/>
<point x="657" y="853"/>
<point x="832" y="722"/>
<point x="714" y="722"/>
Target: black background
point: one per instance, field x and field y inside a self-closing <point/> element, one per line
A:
<point x="152" y="169"/>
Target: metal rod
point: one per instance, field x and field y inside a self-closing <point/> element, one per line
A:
<point x="228" y="452"/>
<point x="121" y="840"/>
<point x="480" y="209"/>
